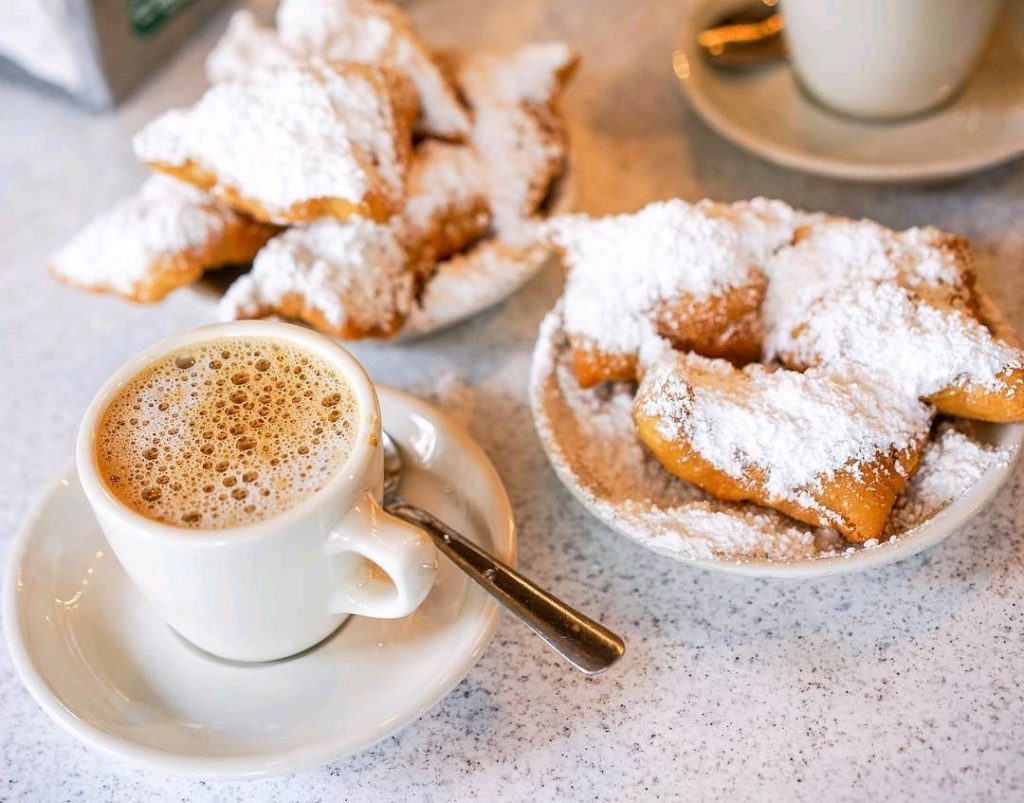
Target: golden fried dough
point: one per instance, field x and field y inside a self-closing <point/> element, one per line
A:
<point x="164" y="237"/>
<point x="294" y="144"/>
<point x="822" y="449"/>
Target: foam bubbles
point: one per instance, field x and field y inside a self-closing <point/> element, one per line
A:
<point x="225" y="433"/>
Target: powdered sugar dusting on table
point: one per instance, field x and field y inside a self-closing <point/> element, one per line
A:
<point x="592" y="443"/>
<point x="287" y="136"/>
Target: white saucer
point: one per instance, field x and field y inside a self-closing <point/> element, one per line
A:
<point x="765" y="112"/>
<point x="109" y="672"/>
<point x="646" y="511"/>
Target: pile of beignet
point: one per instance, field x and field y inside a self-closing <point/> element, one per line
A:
<point x="790" y="359"/>
<point x="346" y="160"/>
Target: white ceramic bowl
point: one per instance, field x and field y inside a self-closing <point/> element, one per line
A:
<point x="553" y="429"/>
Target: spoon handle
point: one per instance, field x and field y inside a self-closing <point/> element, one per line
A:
<point x="586" y="644"/>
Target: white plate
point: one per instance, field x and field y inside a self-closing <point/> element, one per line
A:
<point x="583" y="479"/>
<point x="765" y="112"/>
<point x="101" y="664"/>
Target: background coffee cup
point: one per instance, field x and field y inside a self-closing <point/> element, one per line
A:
<point x="886" y="58"/>
<point x="273" y="588"/>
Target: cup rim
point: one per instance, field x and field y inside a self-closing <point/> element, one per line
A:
<point x="351" y="370"/>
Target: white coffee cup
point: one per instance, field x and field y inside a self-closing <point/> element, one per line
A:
<point x="273" y="588"/>
<point x="886" y="58"/>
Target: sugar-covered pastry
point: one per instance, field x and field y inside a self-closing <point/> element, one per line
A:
<point x="447" y="207"/>
<point x="348" y="279"/>
<point x="490" y="270"/>
<point x="309" y="124"/>
<point x="690" y="273"/>
<point x="369" y="32"/>
<point x="163" y="237"/>
<point x="516" y="125"/>
<point x="291" y="144"/>
<point x="832" y="451"/>
<point x="897" y="304"/>
<point x="247" y="48"/>
<point x="355" y="279"/>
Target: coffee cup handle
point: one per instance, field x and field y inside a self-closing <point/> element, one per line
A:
<point x="404" y="557"/>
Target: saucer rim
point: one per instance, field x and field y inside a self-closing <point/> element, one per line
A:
<point x="245" y="767"/>
<point x="931" y="171"/>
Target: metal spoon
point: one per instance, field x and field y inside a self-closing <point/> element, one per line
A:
<point x="586" y="644"/>
<point x="743" y="40"/>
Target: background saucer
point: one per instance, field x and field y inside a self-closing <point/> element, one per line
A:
<point x="764" y="111"/>
<point x="101" y="664"/>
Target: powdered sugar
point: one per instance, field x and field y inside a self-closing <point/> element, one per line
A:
<point x="352" y="275"/>
<point x="952" y="464"/>
<point x="591" y="440"/>
<point x="532" y="74"/>
<point x="445" y="179"/>
<point x="853" y="293"/>
<point x="521" y="162"/>
<point x="918" y="349"/>
<point x="374" y="33"/>
<point x="514" y="129"/>
<point x="795" y="430"/>
<point x="834" y="251"/>
<point x="472" y="281"/>
<point x="622" y="266"/>
<point x="246" y="48"/>
<point x="119" y="248"/>
<point x="288" y="136"/>
<point x="341" y="30"/>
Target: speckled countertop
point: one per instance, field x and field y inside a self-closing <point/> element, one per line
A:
<point x="903" y="683"/>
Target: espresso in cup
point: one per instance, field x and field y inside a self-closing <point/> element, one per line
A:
<point x="226" y="432"/>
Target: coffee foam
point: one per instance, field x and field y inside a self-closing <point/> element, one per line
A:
<point x="225" y="433"/>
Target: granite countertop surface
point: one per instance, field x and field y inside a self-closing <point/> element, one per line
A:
<point x="901" y="683"/>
